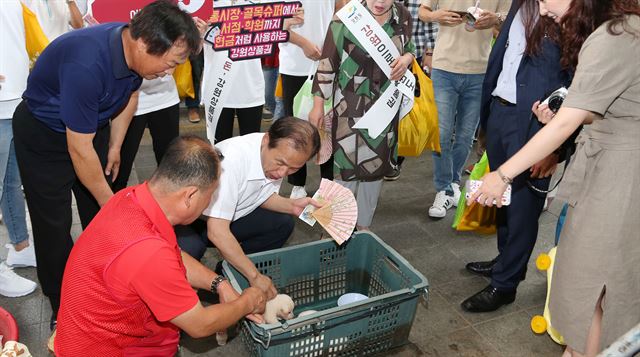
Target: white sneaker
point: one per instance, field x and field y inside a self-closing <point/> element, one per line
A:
<point x="440" y="205"/>
<point x="456" y="193"/>
<point x="298" y="192"/>
<point x="12" y="284"/>
<point x="23" y="258"/>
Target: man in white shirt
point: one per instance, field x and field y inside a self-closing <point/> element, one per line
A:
<point x="247" y="215"/>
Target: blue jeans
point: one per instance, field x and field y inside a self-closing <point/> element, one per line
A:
<point x="278" y="113"/>
<point x="11" y="197"/>
<point x="270" y="81"/>
<point x="458" y="100"/>
<point x="271" y="102"/>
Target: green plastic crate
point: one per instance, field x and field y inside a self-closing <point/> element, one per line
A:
<point x="315" y="275"/>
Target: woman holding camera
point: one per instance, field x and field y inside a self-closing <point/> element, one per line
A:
<point x="595" y="292"/>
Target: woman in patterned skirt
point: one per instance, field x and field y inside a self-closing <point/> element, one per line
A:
<point x="349" y="75"/>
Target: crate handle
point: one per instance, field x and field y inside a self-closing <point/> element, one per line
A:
<point x="258" y="338"/>
<point x="392" y="263"/>
<point x="425" y="296"/>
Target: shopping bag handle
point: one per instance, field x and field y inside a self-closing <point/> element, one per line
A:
<point x="313" y="69"/>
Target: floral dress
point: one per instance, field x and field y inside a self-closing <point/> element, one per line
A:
<point x="348" y="75"/>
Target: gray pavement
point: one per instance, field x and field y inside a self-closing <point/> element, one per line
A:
<point x="431" y="246"/>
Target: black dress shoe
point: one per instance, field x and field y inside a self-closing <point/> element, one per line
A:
<point x="488" y="299"/>
<point x="481" y="268"/>
<point x="53" y="323"/>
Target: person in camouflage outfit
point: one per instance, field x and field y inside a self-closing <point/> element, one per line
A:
<point x="348" y="75"/>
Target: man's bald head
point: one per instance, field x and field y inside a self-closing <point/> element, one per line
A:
<point x="189" y="161"/>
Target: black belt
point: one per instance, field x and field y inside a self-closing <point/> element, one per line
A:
<point x="503" y="102"/>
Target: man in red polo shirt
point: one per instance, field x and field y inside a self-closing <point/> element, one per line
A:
<point x="127" y="288"/>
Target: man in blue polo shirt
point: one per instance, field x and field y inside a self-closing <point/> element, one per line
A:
<point x="68" y="130"/>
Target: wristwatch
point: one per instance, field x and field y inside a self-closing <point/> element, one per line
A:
<point x="214" y="284"/>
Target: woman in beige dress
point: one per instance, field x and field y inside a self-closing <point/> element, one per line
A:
<point x="595" y="292"/>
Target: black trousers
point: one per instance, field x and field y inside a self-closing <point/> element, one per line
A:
<point x="48" y="178"/>
<point x="290" y="87"/>
<point x="249" y="120"/>
<point x="197" y="66"/>
<point x="517" y="224"/>
<point x="163" y="125"/>
<point x="258" y="231"/>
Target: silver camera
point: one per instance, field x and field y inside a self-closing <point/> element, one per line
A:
<point x="554" y="101"/>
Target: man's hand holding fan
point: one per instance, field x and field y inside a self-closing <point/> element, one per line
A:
<point x="338" y="213"/>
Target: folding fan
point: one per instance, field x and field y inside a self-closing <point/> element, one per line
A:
<point x="326" y="147"/>
<point x="339" y="213"/>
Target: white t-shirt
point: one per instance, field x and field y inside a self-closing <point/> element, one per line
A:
<point x="318" y="15"/>
<point x="14" y="61"/>
<point x="53" y="15"/>
<point x="246" y="86"/>
<point x="243" y="185"/>
<point x="156" y="94"/>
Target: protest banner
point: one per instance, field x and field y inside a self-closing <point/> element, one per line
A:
<point x="123" y="10"/>
<point x="250" y="30"/>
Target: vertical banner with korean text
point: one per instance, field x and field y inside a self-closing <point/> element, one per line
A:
<point x="238" y="31"/>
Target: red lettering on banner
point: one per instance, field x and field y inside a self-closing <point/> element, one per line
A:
<point x="223" y="15"/>
<point x="258" y="25"/>
<point x="257" y="12"/>
<point x="250" y="31"/>
<point x="247" y="25"/>
<point x="277" y="10"/>
<point x="228" y="40"/>
<point x="231" y="27"/>
<point x="215" y="16"/>
<point x="235" y="14"/>
<point x="268" y="11"/>
<point x="248" y="13"/>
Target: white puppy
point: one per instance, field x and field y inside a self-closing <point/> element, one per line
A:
<point x="280" y="306"/>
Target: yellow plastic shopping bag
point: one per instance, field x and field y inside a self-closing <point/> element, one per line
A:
<point x="278" y="91"/>
<point x="419" y="129"/>
<point x="476" y="217"/>
<point x="184" y="80"/>
<point x="35" y="38"/>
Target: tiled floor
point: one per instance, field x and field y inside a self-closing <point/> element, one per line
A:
<point x="436" y="250"/>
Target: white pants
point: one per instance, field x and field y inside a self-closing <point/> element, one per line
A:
<point x="367" y="194"/>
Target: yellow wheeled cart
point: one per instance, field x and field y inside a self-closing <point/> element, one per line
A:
<point x="542" y="323"/>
